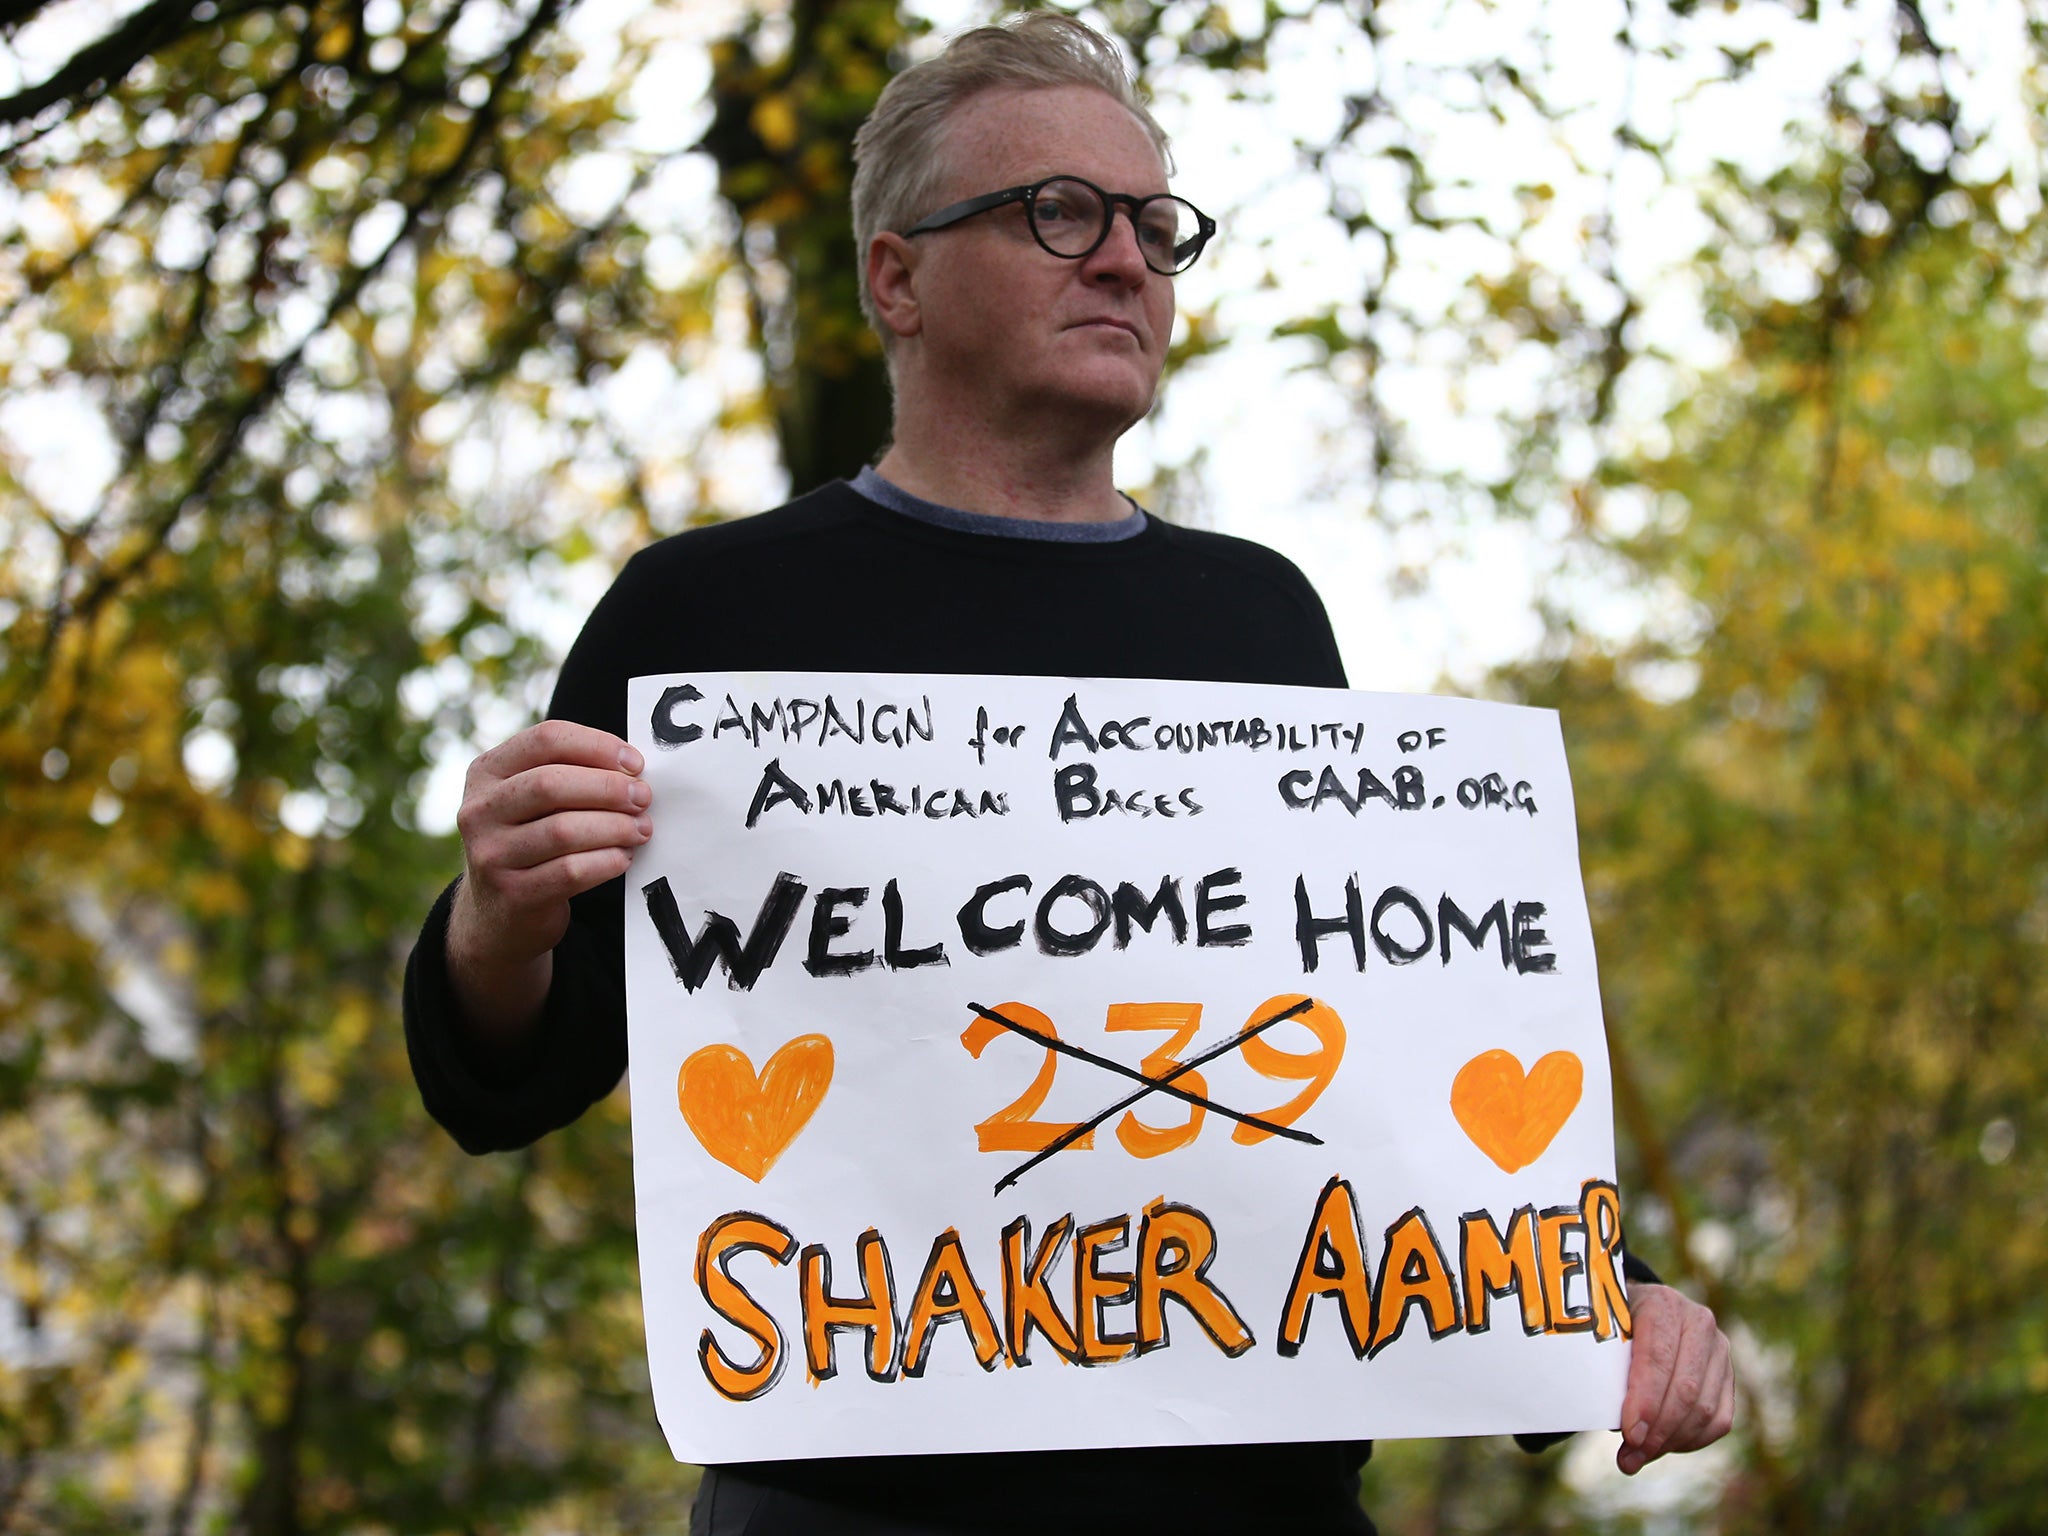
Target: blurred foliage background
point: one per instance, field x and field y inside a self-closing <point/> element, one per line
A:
<point x="355" y="286"/>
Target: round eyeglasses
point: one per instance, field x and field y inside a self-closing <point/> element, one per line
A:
<point x="1070" y="217"/>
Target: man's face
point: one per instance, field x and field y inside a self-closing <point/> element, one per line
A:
<point x="1027" y="332"/>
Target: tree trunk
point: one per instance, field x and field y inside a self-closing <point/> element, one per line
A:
<point x="782" y="135"/>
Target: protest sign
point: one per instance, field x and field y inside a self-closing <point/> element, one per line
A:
<point x="1026" y="1063"/>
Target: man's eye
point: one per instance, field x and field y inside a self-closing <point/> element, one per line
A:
<point x="1051" y="209"/>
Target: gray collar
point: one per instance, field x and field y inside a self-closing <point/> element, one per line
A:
<point x="896" y="499"/>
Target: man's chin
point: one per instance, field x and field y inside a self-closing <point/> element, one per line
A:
<point x="1118" y="401"/>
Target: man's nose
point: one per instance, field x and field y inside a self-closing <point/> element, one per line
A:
<point x="1119" y="259"/>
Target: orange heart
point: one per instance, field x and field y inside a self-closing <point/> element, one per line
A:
<point x="1512" y="1118"/>
<point x="745" y="1121"/>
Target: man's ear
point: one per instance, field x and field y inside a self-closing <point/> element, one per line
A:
<point x="892" y="282"/>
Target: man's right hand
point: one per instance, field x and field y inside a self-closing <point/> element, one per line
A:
<point x="556" y="810"/>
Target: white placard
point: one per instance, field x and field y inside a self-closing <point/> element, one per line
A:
<point x="1324" y="1151"/>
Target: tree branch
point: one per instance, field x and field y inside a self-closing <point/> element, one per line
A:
<point x="95" y="67"/>
<point x="111" y="577"/>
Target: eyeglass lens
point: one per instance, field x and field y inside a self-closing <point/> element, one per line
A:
<point x="1069" y="217"/>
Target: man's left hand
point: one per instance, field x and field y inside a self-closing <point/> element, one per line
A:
<point x="1681" y="1379"/>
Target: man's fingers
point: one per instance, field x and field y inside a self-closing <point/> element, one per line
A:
<point x="554" y="787"/>
<point x="1652" y="1355"/>
<point x="1689" y="1366"/>
<point x="534" y="843"/>
<point x="1724" y="1410"/>
<point x="1708" y="1417"/>
<point x="1688" y="1372"/>
<point x="555" y="880"/>
<point x="560" y="741"/>
<point x="557" y="810"/>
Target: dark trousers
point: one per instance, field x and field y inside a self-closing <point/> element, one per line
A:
<point x="730" y="1505"/>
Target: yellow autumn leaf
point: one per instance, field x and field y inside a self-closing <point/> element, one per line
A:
<point x="774" y="119"/>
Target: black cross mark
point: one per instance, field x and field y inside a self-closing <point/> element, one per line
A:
<point x="1164" y="1083"/>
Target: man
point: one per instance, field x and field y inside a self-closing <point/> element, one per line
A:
<point x="1011" y="207"/>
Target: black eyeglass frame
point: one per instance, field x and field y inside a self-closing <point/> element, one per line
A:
<point x="1205" y="227"/>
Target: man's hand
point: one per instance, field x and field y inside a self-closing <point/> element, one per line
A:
<point x="1681" y="1379"/>
<point x="556" y="810"/>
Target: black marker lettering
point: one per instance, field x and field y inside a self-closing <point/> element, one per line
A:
<point x="1073" y="789"/>
<point x="1329" y="788"/>
<point x="1528" y="939"/>
<point x="1055" y="941"/>
<point x="1393" y="949"/>
<point x="1448" y="916"/>
<point x="1130" y="906"/>
<point x="827" y="925"/>
<point x="1207" y="904"/>
<point x="719" y="943"/>
<point x="975" y="931"/>
<point x="893" y="953"/>
<point x="1071" y="728"/>
<point x="775" y="787"/>
<point x="731" y="720"/>
<point x="834" y="720"/>
<point x="765" y="722"/>
<point x="668" y="732"/>
<point x="922" y="732"/>
<point x="1310" y="930"/>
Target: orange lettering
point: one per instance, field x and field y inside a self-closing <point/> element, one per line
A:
<point x="1413" y="1270"/>
<point x="1095" y="1289"/>
<point x="1600" y="1209"/>
<point x="1183" y="1019"/>
<point x="1495" y="1266"/>
<point x="1332" y="1264"/>
<point x="948" y="1291"/>
<point x="1558" y="1266"/>
<point x="1027" y="1301"/>
<point x="1317" y="1068"/>
<point x="1011" y="1128"/>
<point x="740" y="1232"/>
<point x="1184" y="1233"/>
<point x="874" y="1311"/>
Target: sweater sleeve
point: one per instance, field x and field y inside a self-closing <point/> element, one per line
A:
<point x="576" y="1060"/>
<point x="580" y="1051"/>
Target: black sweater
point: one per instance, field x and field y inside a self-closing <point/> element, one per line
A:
<point x="833" y="582"/>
